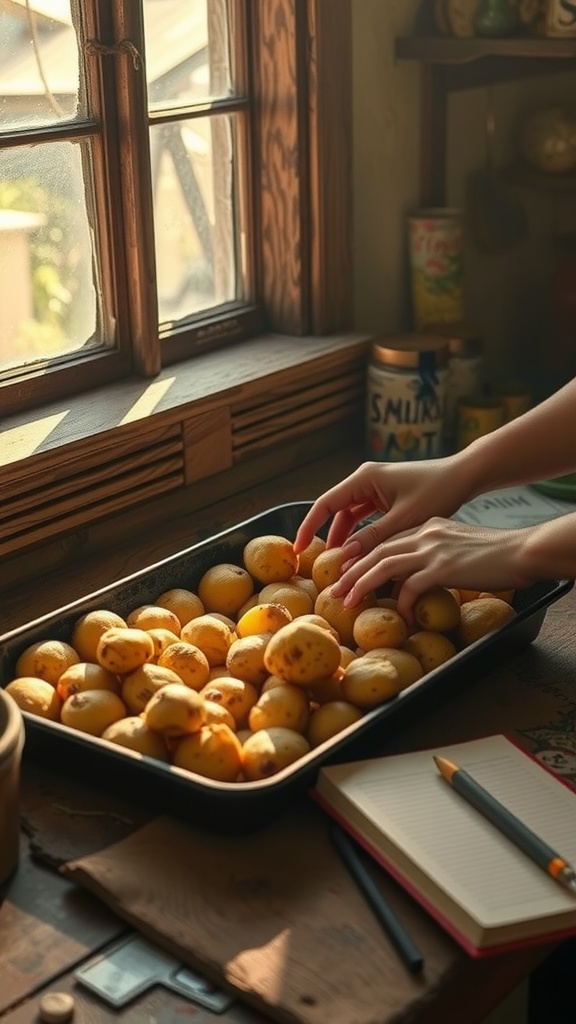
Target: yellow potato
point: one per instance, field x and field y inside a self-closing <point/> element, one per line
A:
<point x="329" y="719"/>
<point x="437" y="610"/>
<point x="47" y="659"/>
<point x="175" y="710"/>
<point x="211" y="635"/>
<point x="368" y="682"/>
<point x="295" y="599"/>
<point x="162" y="638"/>
<point x="268" y="751"/>
<point x="122" y="649"/>
<point x="302" y="653"/>
<point x="188" y="662"/>
<point x="85" y="675"/>
<point x="218" y="714"/>
<point x="379" y="627"/>
<point x="134" y="734"/>
<point x="263" y="618"/>
<point x="481" y="616"/>
<point x="214" y="752"/>
<point x="139" y="686"/>
<point x="36" y="696"/>
<point x="431" y="649"/>
<point x="285" y="705"/>
<point x="92" y="711"/>
<point x="245" y="658"/>
<point x="150" y="616"/>
<point x="236" y="695"/>
<point x="404" y="661"/>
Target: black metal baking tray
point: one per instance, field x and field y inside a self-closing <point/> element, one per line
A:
<point x="236" y="807"/>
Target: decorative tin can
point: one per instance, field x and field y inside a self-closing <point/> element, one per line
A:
<point x="478" y="415"/>
<point x="407" y="381"/>
<point x="436" y="265"/>
<point x="465" y="368"/>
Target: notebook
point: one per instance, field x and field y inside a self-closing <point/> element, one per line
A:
<point x="487" y="893"/>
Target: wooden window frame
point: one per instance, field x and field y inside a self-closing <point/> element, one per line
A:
<point x="303" y="154"/>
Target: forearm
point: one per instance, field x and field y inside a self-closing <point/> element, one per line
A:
<point x="549" y="551"/>
<point x="539" y="445"/>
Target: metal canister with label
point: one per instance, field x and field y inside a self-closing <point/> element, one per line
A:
<point x="406" y="401"/>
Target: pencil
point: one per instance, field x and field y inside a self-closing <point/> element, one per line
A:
<point x="408" y="951"/>
<point x="539" y="851"/>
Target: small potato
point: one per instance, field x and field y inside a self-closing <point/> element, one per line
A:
<point x="85" y="675"/>
<point x="213" y="636"/>
<point x="307" y="557"/>
<point x="368" y="682"/>
<point x="302" y="653"/>
<point x="268" y="751"/>
<point x="407" y="663"/>
<point x="284" y="705"/>
<point x="122" y="649"/>
<point x="150" y="616"/>
<point x="437" y="610"/>
<point x="295" y="599"/>
<point x="162" y="638"/>
<point x="47" y="659"/>
<point x="215" y="752"/>
<point x="92" y="711"/>
<point x="236" y="695"/>
<point x="329" y="719"/>
<point x="263" y="618"/>
<point x="175" y="710"/>
<point x="139" y="686"/>
<point x="134" y="734"/>
<point x="218" y="714"/>
<point x="188" y="662"/>
<point x="431" y="649"/>
<point x="379" y="627"/>
<point x="36" y="696"/>
<point x="245" y="658"/>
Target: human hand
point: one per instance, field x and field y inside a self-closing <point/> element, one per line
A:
<point x="407" y="494"/>
<point x="440" y="552"/>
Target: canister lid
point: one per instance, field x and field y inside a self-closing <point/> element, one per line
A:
<point x="404" y="351"/>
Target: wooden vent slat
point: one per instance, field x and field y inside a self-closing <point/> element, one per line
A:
<point x="291" y="428"/>
<point x="83" y="488"/>
<point x="116" y="478"/>
<point x="245" y="417"/>
<point x="76" y="519"/>
<point x="55" y="468"/>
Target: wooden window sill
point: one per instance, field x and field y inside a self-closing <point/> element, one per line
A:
<point x="82" y="472"/>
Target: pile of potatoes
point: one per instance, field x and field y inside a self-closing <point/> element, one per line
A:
<point x="259" y="664"/>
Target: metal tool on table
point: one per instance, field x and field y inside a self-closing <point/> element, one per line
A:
<point x="133" y="965"/>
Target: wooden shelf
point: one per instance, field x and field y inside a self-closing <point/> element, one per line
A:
<point x="469" y="63"/>
<point x="449" y="50"/>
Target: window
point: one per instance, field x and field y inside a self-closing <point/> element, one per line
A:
<point x="163" y="183"/>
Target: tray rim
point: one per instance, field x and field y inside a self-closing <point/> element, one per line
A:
<point x="294" y="773"/>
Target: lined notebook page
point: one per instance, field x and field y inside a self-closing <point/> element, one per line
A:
<point x="405" y="796"/>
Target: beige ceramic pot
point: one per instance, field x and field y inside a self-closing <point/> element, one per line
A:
<point x="11" y="744"/>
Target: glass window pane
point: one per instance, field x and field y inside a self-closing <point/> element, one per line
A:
<point x="187" y="52"/>
<point x="48" y="287"/>
<point x="39" y="64"/>
<point x="196" y="213"/>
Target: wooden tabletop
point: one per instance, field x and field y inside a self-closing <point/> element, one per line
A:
<point x="48" y="926"/>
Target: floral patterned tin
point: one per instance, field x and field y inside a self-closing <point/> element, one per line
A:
<point x="436" y="266"/>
